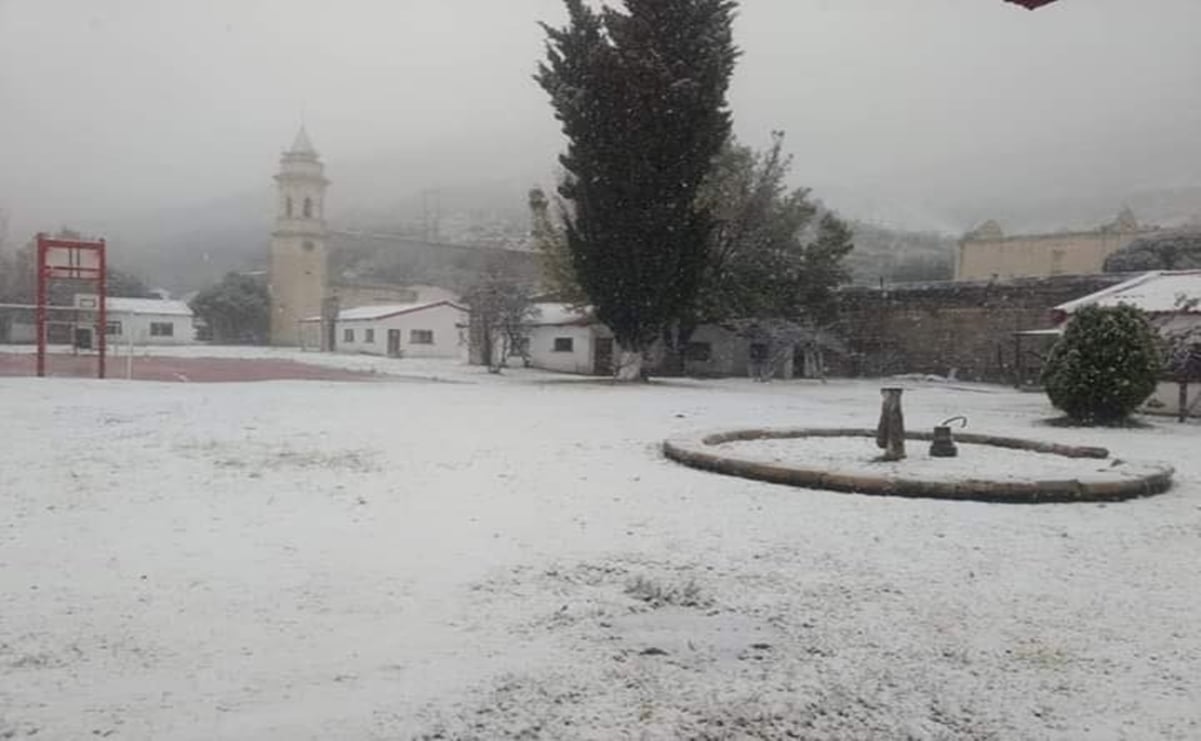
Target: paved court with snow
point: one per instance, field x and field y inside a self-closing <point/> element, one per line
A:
<point x="469" y="556"/>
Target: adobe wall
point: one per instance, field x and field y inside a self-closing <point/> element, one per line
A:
<point x="959" y="327"/>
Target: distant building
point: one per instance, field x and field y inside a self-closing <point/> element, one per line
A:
<point x="987" y="253"/>
<point x="432" y="330"/>
<point x="299" y="280"/>
<point x="563" y="339"/>
<point x="139" y="321"/>
<point x="1172" y="301"/>
<point x="297" y="260"/>
<point x="568" y="340"/>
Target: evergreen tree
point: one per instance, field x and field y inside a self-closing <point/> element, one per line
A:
<point x="641" y="96"/>
<point x="237" y="310"/>
<point x="776" y="254"/>
<point x="554" y="258"/>
<point x="1104" y="366"/>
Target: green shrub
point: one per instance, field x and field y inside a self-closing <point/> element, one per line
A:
<point x="1104" y="366"/>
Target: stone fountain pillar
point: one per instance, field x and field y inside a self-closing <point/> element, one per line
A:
<point x="890" y="433"/>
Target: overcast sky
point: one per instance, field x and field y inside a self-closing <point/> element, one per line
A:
<point x="891" y="106"/>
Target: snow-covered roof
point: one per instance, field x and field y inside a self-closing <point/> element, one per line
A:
<point x="553" y="315"/>
<point x="1158" y="292"/>
<point x="384" y="311"/>
<point x="147" y="306"/>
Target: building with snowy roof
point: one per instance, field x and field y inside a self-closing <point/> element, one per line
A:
<point x="1172" y="301"/>
<point x="140" y="321"/>
<point x="413" y="330"/>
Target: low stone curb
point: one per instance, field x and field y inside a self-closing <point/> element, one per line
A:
<point x="697" y="452"/>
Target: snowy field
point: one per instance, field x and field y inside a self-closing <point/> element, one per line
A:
<point x="512" y="557"/>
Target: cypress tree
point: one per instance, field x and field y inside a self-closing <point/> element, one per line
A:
<point x="641" y="96"/>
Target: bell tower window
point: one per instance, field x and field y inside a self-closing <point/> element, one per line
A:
<point x="288" y="207"/>
<point x="308" y="208"/>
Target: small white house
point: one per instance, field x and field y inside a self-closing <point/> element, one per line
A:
<point x="430" y="330"/>
<point x="1172" y="300"/>
<point x="140" y="321"/>
<point x="569" y="341"/>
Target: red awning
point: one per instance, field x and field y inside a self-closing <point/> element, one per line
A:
<point x="1031" y="4"/>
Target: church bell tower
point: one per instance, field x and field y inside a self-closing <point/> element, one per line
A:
<point x="297" y="267"/>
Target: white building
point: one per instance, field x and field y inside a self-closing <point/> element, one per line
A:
<point x="140" y="321"/>
<point x="429" y="330"/>
<point x="1172" y="301"/>
<point x="569" y="341"/>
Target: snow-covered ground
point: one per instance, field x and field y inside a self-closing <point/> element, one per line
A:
<point x="860" y="456"/>
<point x="513" y="557"/>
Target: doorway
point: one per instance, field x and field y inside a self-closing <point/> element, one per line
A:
<point x="394" y="343"/>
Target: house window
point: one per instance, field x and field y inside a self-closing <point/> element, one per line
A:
<point x="369" y="336"/>
<point x="162" y="329"/>
<point x="699" y="352"/>
<point x="308" y="208"/>
<point x="421" y="337"/>
<point x="348" y="335"/>
<point x="113" y="329"/>
<point x="564" y="344"/>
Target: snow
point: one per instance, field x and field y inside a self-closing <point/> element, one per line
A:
<point x="383" y="311"/>
<point x="1158" y="292"/>
<point x="555" y="314"/>
<point x="505" y="556"/>
<point x="859" y="455"/>
<point x="147" y="306"/>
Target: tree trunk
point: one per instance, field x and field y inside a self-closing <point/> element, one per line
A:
<point x="496" y="364"/>
<point x="890" y="433"/>
<point x="629" y="366"/>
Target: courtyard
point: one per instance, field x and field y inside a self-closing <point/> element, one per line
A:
<point x="461" y="555"/>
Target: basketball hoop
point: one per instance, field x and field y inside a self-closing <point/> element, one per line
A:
<point x="77" y="260"/>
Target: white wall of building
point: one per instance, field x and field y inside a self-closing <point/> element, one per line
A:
<point x="579" y="359"/>
<point x="370" y="336"/>
<point x="150" y="329"/>
<point x="717" y="352"/>
<point x="1166" y="399"/>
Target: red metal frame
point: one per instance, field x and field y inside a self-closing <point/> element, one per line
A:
<point x="73" y="270"/>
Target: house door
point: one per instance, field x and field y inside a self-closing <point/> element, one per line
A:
<point x="603" y="357"/>
<point x="394" y="343"/>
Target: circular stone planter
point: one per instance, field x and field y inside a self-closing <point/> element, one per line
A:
<point x="1119" y="480"/>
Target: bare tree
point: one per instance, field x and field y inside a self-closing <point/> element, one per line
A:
<point x="501" y="311"/>
<point x="774" y="341"/>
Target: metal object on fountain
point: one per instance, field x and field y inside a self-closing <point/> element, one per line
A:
<point x="943" y="444"/>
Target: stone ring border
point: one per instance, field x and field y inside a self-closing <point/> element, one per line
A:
<point x="695" y="451"/>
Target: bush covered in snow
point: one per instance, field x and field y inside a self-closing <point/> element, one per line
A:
<point x="1104" y="366"/>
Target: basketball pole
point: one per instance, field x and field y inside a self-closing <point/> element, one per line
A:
<point x="40" y="311"/>
<point x="102" y="329"/>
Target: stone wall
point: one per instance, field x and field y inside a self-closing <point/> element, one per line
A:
<point x="960" y="328"/>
